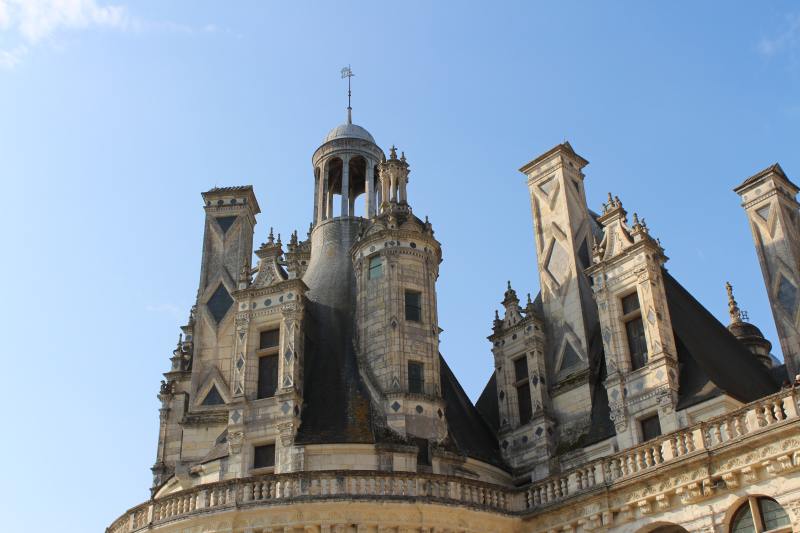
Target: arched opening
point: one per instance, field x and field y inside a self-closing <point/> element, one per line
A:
<point x="358" y="185"/>
<point x="376" y="190"/>
<point x="662" y="527"/>
<point x="333" y="188"/>
<point x="760" y="514"/>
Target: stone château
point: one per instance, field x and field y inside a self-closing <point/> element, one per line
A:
<point x="308" y="394"/>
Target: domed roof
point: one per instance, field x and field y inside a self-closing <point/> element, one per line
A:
<point x="743" y="330"/>
<point x="349" y="131"/>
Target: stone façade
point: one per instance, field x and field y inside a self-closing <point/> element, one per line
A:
<point x="364" y="411"/>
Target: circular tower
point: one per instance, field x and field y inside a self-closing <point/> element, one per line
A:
<point x="396" y="260"/>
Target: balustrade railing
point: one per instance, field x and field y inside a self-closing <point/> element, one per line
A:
<point x="699" y="438"/>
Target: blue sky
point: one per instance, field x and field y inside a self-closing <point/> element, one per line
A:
<point x="116" y="116"/>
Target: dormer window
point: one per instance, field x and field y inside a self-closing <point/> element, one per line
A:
<point x="268" y="343"/>
<point x="634" y="331"/>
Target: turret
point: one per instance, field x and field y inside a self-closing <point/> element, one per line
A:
<point x="396" y="260"/>
<point x="747" y="333"/>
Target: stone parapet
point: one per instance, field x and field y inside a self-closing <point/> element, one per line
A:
<point x="694" y="464"/>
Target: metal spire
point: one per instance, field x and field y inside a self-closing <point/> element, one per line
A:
<point x="347" y="72"/>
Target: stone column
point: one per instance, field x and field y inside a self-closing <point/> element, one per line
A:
<point x="370" y="190"/>
<point x="321" y="195"/>
<point x="346" y="186"/>
<point x="403" y="195"/>
<point x="316" y="195"/>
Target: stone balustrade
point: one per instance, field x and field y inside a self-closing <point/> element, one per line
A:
<point x="667" y="449"/>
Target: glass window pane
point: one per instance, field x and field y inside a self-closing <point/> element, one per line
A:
<point x="772" y="514"/>
<point x="630" y="303"/>
<point x="651" y="428"/>
<point x="637" y="342"/>
<point x="269" y="339"/>
<point x="264" y="456"/>
<point x="416" y="377"/>
<point x="267" y="376"/>
<point x="524" y="403"/>
<point x="413" y="306"/>
<point x="743" y="520"/>
<point x="521" y="369"/>
<point x="375" y="268"/>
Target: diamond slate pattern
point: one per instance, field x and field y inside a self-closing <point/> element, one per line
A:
<point x="219" y="303"/>
<point x="787" y="295"/>
<point x="225" y="223"/>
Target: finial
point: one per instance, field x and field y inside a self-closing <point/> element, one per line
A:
<point x="271" y="238"/>
<point x="347" y="72"/>
<point x="310" y="227"/>
<point x="403" y="157"/>
<point x="393" y="152"/>
<point x="244" y="275"/>
<point x="508" y="284"/>
<point x="180" y="339"/>
<point x="529" y="299"/>
<point x="610" y="199"/>
<point x="635" y="219"/>
<point x="733" y="307"/>
<point x="279" y="240"/>
<point x="496" y="315"/>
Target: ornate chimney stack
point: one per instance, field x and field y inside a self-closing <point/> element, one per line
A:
<point x="769" y="199"/>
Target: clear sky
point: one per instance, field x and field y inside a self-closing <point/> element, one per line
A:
<point x="114" y="117"/>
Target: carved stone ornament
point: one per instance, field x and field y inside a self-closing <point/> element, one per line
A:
<point x="235" y="440"/>
<point x="620" y="419"/>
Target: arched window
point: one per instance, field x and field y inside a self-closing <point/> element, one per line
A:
<point x="668" y="528"/>
<point x="759" y="515"/>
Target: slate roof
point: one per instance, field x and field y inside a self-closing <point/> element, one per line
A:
<point x="338" y="409"/>
<point x="710" y="359"/>
<point x="336" y="406"/>
<point x="471" y="434"/>
<point x="711" y="362"/>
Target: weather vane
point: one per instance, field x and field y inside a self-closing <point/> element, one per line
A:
<point x="347" y="72"/>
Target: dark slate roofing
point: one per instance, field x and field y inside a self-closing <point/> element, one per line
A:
<point x="779" y="375"/>
<point x="711" y="360"/>
<point x="487" y="404"/>
<point x="601" y="427"/>
<point x="469" y="432"/>
<point x="337" y="408"/>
